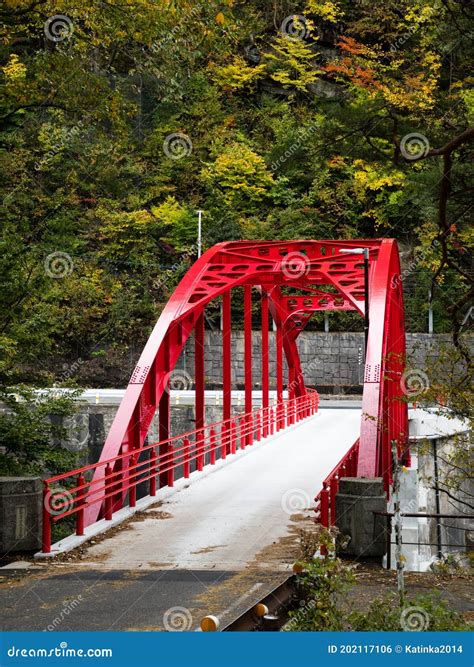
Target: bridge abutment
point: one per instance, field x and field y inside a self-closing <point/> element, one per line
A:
<point x="357" y="502"/>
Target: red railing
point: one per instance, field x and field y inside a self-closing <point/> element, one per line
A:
<point x="326" y="499"/>
<point x="122" y="474"/>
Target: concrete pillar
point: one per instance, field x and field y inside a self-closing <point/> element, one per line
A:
<point x="356" y="502"/>
<point x="20" y="513"/>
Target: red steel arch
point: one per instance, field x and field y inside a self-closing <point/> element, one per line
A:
<point x="295" y="279"/>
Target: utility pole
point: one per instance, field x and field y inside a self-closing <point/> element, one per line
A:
<point x="397" y="515"/>
<point x="199" y="240"/>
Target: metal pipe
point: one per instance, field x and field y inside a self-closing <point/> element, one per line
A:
<point x="437" y="496"/>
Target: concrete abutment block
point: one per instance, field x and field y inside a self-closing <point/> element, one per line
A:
<point x="356" y="502"/>
<point x="21" y="507"/>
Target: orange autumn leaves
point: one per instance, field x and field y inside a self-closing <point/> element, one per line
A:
<point x="389" y="74"/>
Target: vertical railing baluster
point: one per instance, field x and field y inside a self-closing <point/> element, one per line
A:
<point x="152" y="468"/>
<point x="212" y="446"/>
<point x="108" y="486"/>
<point x="80" y="504"/>
<point x="132" y="480"/>
<point x="46" y="541"/>
<point x="186" y="462"/>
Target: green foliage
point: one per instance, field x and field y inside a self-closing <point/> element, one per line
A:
<point x="330" y="603"/>
<point x="290" y="63"/>
<point x="33" y="443"/>
<point x="323" y="581"/>
<point x="291" y="138"/>
<point x="241" y="175"/>
<point x="429" y="612"/>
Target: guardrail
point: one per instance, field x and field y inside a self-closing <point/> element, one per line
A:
<point x="159" y="461"/>
<point x="326" y="499"/>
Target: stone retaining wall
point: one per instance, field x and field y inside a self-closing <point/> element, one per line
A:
<point x="331" y="362"/>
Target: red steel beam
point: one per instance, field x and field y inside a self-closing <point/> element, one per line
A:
<point x="248" y="381"/>
<point x="199" y="370"/>
<point x="164" y="409"/>
<point x="226" y="357"/>
<point x="265" y="360"/>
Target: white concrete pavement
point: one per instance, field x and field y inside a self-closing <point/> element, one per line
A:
<point x="223" y="519"/>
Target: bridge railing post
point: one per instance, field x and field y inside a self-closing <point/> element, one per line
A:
<point x="200" y="444"/>
<point x="132" y="478"/>
<point x="233" y="436"/>
<point x="152" y="464"/>
<point x="333" y="488"/>
<point x="324" y="513"/>
<point x="249" y="429"/>
<point x="46" y="541"/>
<point x="170" y="464"/>
<point x="186" y="462"/>
<point x="80" y="504"/>
<point x="212" y="446"/>
<point x="242" y="422"/>
<point x="108" y="492"/>
<point x="223" y="435"/>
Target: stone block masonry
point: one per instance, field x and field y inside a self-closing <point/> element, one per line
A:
<point x="331" y="362"/>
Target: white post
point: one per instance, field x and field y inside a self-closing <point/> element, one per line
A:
<point x="326" y="323"/>
<point x="199" y="242"/>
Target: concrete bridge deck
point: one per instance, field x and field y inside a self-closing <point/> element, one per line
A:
<point x="223" y="518"/>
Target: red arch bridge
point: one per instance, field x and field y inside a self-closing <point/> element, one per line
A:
<point x="288" y="282"/>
